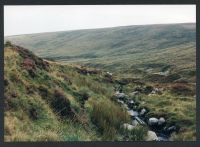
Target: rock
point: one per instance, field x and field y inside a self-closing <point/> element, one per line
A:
<point x="120" y="101"/>
<point x="109" y="73"/>
<point x="158" y="90"/>
<point x="151" y="136"/>
<point x="161" y="121"/>
<point x="134" y="93"/>
<point x="131" y="103"/>
<point x="171" y="129"/>
<point x="153" y="121"/>
<point x="128" y="126"/>
<point x="153" y="92"/>
<point x="143" y="111"/>
<point x="132" y="113"/>
<point x="119" y="95"/>
<point x="135" y="122"/>
<point x="163" y="138"/>
<point x="126" y="107"/>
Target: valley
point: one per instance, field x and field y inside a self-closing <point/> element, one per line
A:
<point x="132" y="83"/>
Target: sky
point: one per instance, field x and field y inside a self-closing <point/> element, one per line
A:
<point x="37" y="19"/>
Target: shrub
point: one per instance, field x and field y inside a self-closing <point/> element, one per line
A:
<point x="181" y="89"/>
<point x="8" y="44"/>
<point x="148" y="89"/>
<point x="61" y="104"/>
<point x="172" y="78"/>
<point x="108" y="117"/>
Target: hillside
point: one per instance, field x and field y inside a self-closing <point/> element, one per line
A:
<point x="51" y="101"/>
<point x="139" y="51"/>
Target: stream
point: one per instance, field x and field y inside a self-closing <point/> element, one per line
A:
<point x="157" y="128"/>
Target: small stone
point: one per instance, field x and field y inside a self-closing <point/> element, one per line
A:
<point x="132" y="113"/>
<point x="143" y="111"/>
<point x="171" y="129"/>
<point x="153" y="121"/>
<point x="151" y="136"/>
<point x="135" y="123"/>
<point x="161" y="121"/>
<point x="119" y="95"/>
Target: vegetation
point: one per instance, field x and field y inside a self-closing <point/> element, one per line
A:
<point x="67" y="99"/>
<point x="109" y="118"/>
<point x="131" y="51"/>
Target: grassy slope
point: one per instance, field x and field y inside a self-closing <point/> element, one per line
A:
<point x="129" y="50"/>
<point x="30" y="113"/>
<point x="25" y="92"/>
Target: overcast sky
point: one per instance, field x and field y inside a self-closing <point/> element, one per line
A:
<point x="35" y="19"/>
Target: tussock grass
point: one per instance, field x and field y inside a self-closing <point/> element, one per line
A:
<point x="108" y="117"/>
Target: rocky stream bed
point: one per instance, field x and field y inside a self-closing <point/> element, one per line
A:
<point x="158" y="128"/>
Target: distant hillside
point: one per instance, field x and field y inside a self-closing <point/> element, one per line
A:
<point x="130" y="50"/>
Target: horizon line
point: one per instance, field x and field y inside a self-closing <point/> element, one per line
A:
<point x="100" y="28"/>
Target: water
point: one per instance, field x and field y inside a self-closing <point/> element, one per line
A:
<point x="161" y="134"/>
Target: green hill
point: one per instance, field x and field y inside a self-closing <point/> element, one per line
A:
<point x="139" y="51"/>
<point x="50" y="101"/>
<point x="47" y="101"/>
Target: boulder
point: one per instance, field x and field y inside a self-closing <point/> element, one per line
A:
<point x="119" y="95"/>
<point x="161" y="121"/>
<point x="135" y="122"/>
<point x="109" y="73"/>
<point x="143" y="111"/>
<point x="132" y="113"/>
<point x="131" y="103"/>
<point x="153" y="92"/>
<point x="128" y="126"/>
<point x="171" y="129"/>
<point x="153" y="121"/>
<point x="151" y="136"/>
<point x="120" y="101"/>
<point x="158" y="90"/>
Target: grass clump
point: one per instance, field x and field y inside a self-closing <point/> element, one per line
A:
<point x="108" y="117"/>
<point x="139" y="133"/>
